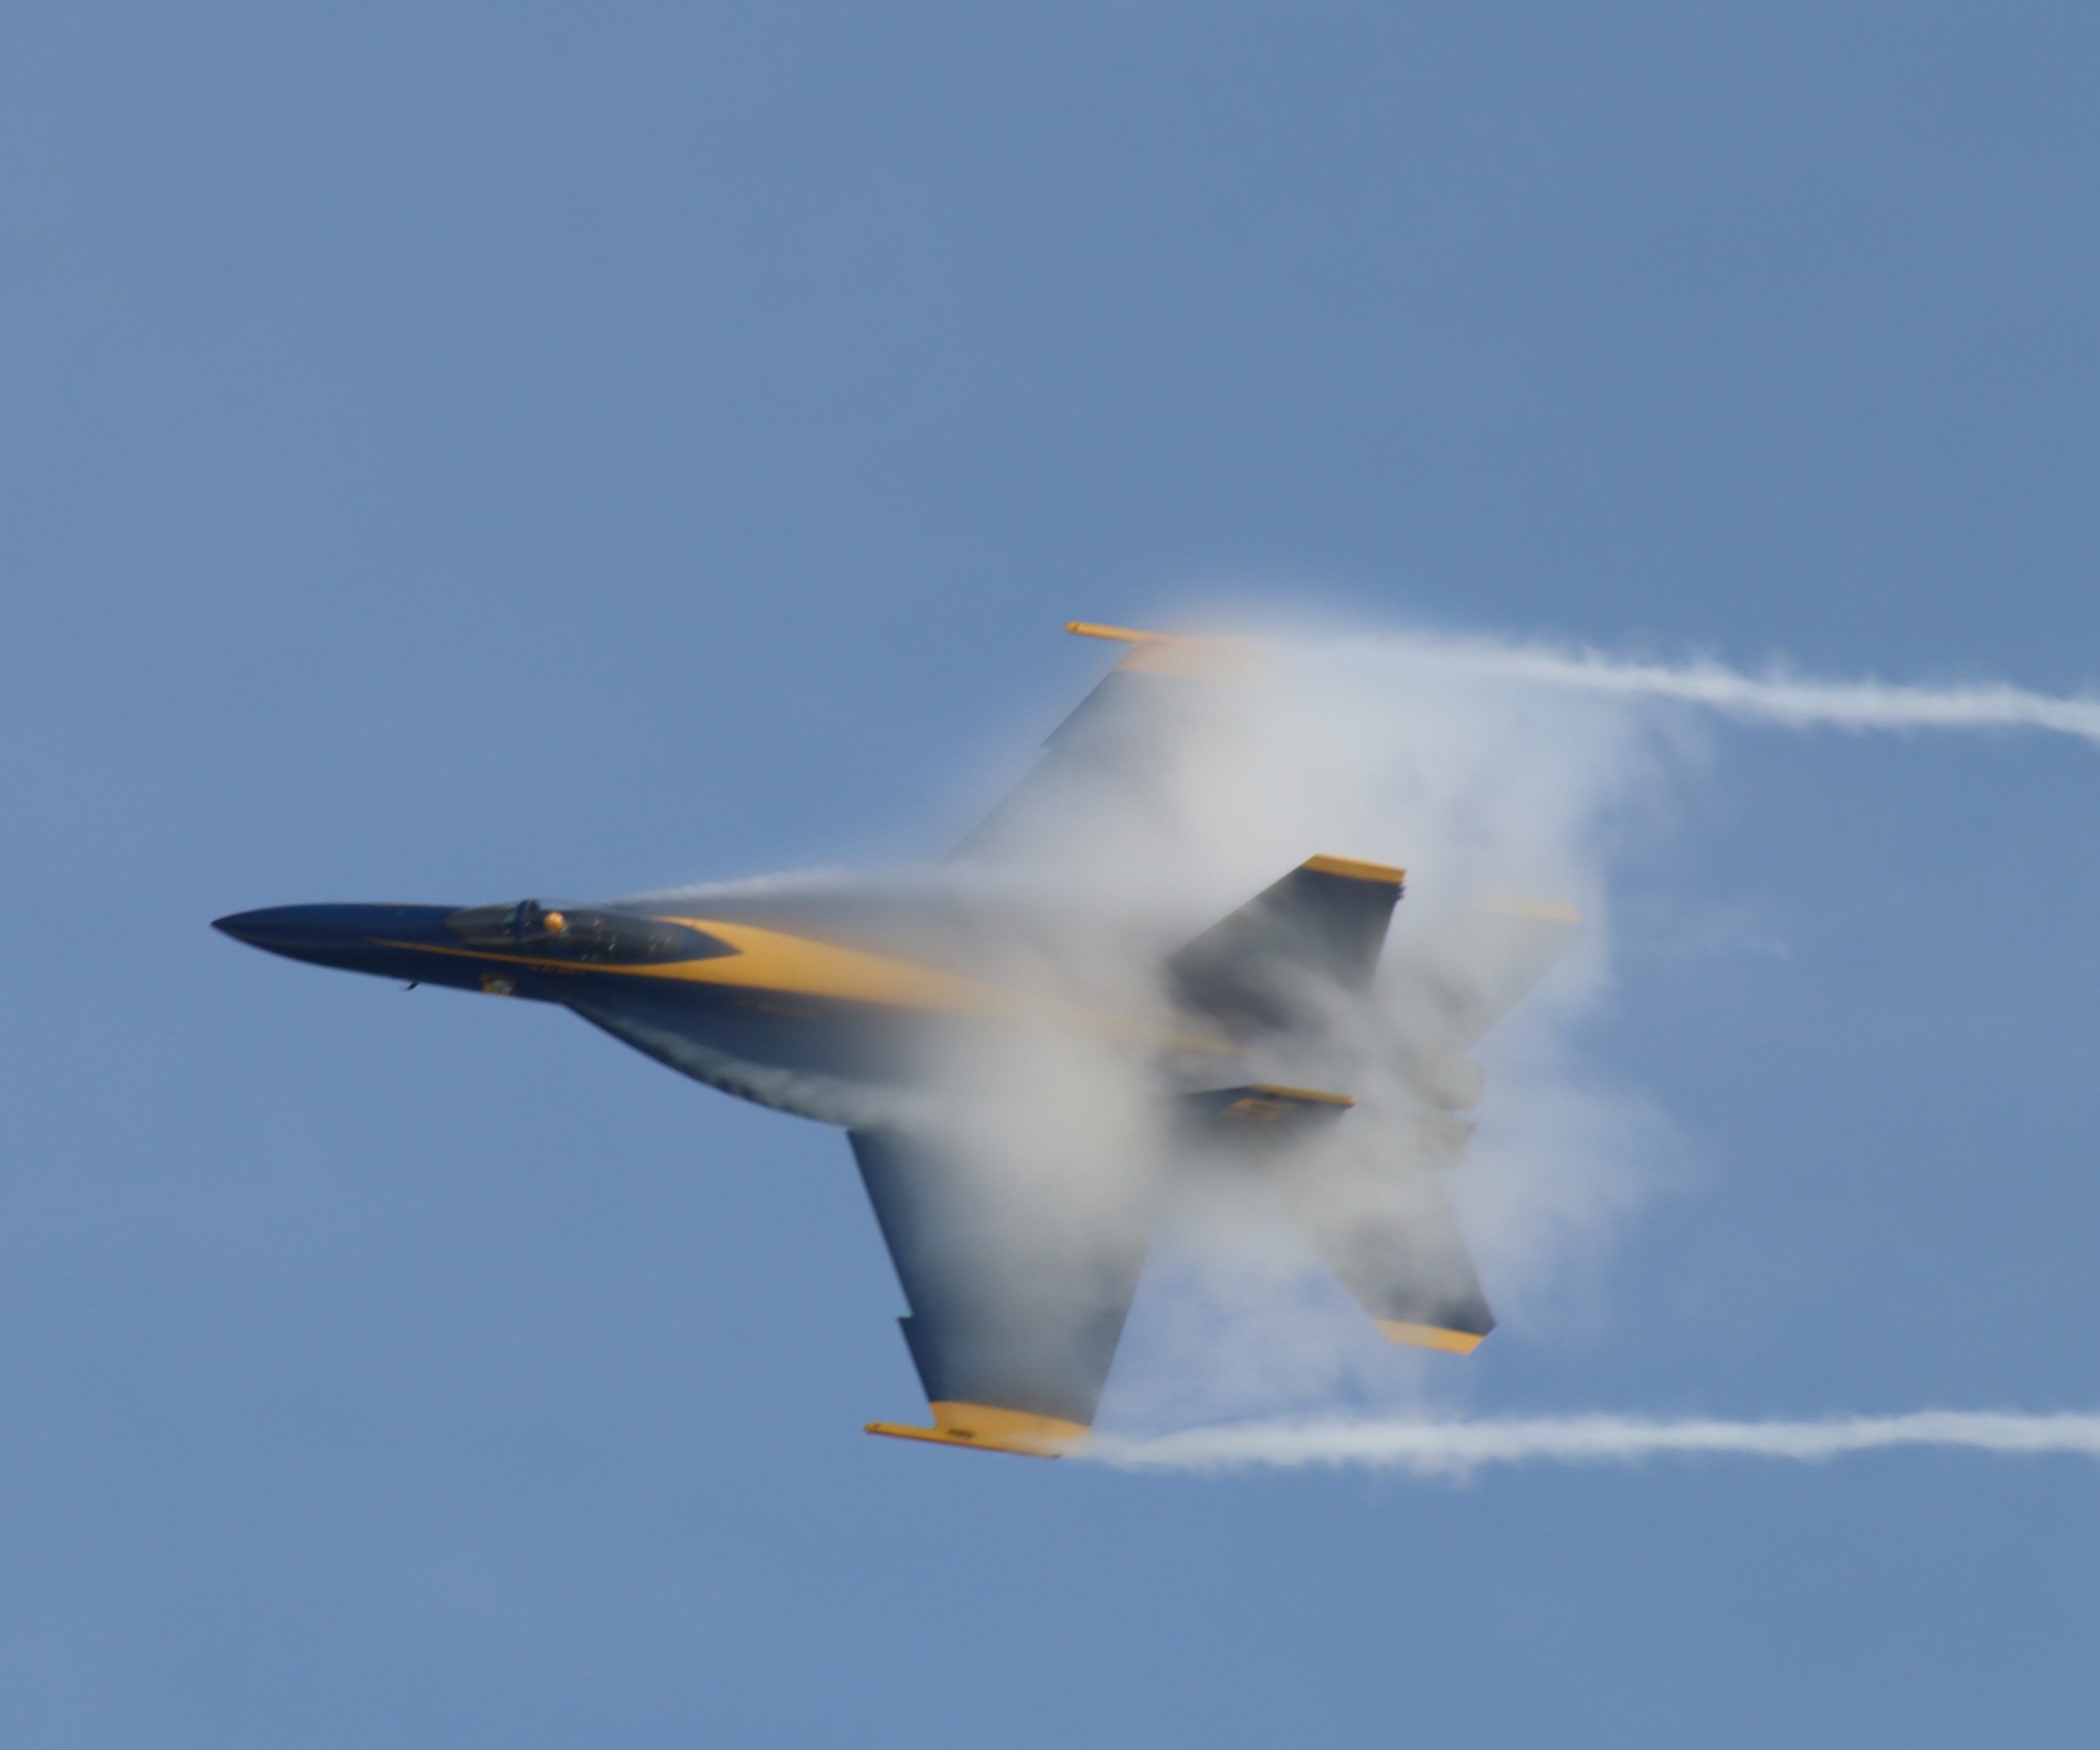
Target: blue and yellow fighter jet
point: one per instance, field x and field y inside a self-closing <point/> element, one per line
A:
<point x="795" y="1001"/>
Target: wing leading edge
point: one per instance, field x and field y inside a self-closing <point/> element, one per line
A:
<point x="1104" y="756"/>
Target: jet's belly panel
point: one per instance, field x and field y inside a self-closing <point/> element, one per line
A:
<point x="818" y="1061"/>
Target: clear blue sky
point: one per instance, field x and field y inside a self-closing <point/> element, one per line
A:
<point x="455" y="452"/>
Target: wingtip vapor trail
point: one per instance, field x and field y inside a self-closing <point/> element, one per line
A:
<point x="1456" y="1449"/>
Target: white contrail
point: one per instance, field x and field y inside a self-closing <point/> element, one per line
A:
<point x="1778" y="698"/>
<point x="1434" y="1448"/>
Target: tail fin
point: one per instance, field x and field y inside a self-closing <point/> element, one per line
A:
<point x="1326" y="921"/>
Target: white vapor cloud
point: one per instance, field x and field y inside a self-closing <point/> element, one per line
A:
<point x="1489" y="769"/>
<point x="1480" y="785"/>
<point x="1505" y="778"/>
<point x="1457" y="1448"/>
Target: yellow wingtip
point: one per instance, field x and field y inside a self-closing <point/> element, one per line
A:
<point x="986" y="1428"/>
<point x="1172" y="652"/>
<point x="1084" y="629"/>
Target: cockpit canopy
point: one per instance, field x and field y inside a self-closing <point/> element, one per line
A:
<point x="586" y="934"/>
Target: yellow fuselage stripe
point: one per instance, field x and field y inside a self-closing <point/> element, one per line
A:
<point x="773" y="961"/>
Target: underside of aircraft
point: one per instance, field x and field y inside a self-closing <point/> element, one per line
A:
<point x="866" y="1003"/>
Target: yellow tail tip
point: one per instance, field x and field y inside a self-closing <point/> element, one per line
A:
<point x="1430" y="1336"/>
<point x="1355" y="868"/>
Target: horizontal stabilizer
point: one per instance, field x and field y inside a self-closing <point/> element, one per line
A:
<point x="1388" y="1234"/>
<point x="1264" y="1108"/>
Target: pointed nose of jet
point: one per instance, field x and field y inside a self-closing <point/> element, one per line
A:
<point x="266" y="928"/>
<point x="301" y="931"/>
<point x="360" y="938"/>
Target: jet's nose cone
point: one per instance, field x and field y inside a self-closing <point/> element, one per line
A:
<point x="358" y="938"/>
<point x="280" y="926"/>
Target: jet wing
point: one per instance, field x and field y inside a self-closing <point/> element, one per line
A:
<point x="1018" y="1290"/>
<point x="1105" y="758"/>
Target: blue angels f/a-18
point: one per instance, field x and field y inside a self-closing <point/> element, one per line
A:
<point x="829" y="1002"/>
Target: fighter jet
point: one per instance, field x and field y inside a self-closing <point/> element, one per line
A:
<point x="830" y="1002"/>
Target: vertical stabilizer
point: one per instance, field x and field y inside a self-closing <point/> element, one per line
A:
<point x="1322" y="925"/>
